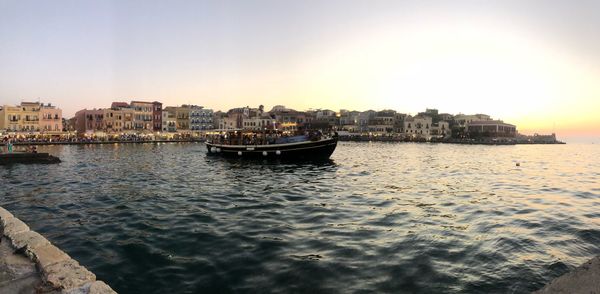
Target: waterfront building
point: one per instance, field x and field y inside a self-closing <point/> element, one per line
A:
<point x="10" y="118"/>
<point x="383" y="122"/>
<point x="30" y="116"/>
<point x="182" y="117"/>
<point x="363" y="120"/>
<point x="156" y="116"/>
<point x="70" y="124"/>
<point x="440" y="129"/>
<point x="349" y="120"/>
<point x="128" y="119"/>
<point x="113" y="120"/>
<point x="433" y="113"/>
<point x="418" y="126"/>
<point x="461" y="120"/>
<point x="490" y="129"/>
<point x="50" y="119"/>
<point x="348" y="117"/>
<point x="263" y="122"/>
<point x="237" y="115"/>
<point x="26" y="117"/>
<point x="329" y="116"/>
<point x="218" y="117"/>
<point x="200" y="118"/>
<point x="245" y="118"/>
<point x="228" y="123"/>
<point x="285" y="119"/>
<point x="399" y="123"/>
<point x="89" y="121"/>
<point x="323" y="119"/>
<point x="169" y="120"/>
<point x="120" y="117"/>
<point x="143" y="113"/>
<point x="324" y="114"/>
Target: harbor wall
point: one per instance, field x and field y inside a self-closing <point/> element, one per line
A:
<point x="56" y="271"/>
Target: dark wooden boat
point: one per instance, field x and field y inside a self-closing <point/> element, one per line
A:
<point x="27" y="158"/>
<point x="309" y="150"/>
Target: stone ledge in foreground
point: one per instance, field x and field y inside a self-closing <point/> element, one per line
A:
<point x="584" y="279"/>
<point x="29" y="263"/>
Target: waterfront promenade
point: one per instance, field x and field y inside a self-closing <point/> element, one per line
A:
<point x="29" y="263"/>
<point x="88" y="142"/>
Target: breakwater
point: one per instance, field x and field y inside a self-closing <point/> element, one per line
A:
<point x="31" y="264"/>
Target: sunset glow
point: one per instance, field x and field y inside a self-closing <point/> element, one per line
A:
<point x="533" y="66"/>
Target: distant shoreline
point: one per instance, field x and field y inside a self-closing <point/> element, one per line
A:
<point x="448" y="141"/>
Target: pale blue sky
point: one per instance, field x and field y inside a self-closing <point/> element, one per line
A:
<point x="333" y="54"/>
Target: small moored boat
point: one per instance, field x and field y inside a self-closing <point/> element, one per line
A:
<point x="27" y="158"/>
<point x="297" y="148"/>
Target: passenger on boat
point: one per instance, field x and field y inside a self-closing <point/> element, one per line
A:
<point x="32" y="149"/>
<point x="315" y="136"/>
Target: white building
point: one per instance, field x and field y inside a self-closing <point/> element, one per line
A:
<point x="463" y="120"/>
<point x="200" y="118"/>
<point x="169" y="121"/>
<point x="257" y="123"/>
<point x="227" y="123"/>
<point x="440" y="130"/>
<point x="418" y="127"/>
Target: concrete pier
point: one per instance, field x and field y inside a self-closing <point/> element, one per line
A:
<point x="584" y="279"/>
<point x="29" y="263"/>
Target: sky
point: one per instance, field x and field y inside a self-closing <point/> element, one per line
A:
<point x="535" y="64"/>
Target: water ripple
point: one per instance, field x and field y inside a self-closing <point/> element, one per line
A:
<point x="417" y="218"/>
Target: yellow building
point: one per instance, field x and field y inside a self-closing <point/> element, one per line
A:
<point x="182" y="117"/>
<point x="22" y="118"/>
<point x="118" y="120"/>
<point x="30" y="117"/>
<point x="10" y="118"/>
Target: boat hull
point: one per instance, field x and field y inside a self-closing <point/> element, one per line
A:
<point x="27" y="158"/>
<point x="302" y="151"/>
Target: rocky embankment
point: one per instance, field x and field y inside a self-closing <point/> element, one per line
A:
<point x="29" y="263"/>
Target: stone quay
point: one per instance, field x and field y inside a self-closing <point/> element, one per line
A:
<point x="585" y="280"/>
<point x="29" y="263"/>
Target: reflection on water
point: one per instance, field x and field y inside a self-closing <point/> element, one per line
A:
<point x="379" y="217"/>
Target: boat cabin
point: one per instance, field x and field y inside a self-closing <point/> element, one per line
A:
<point x="266" y="137"/>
